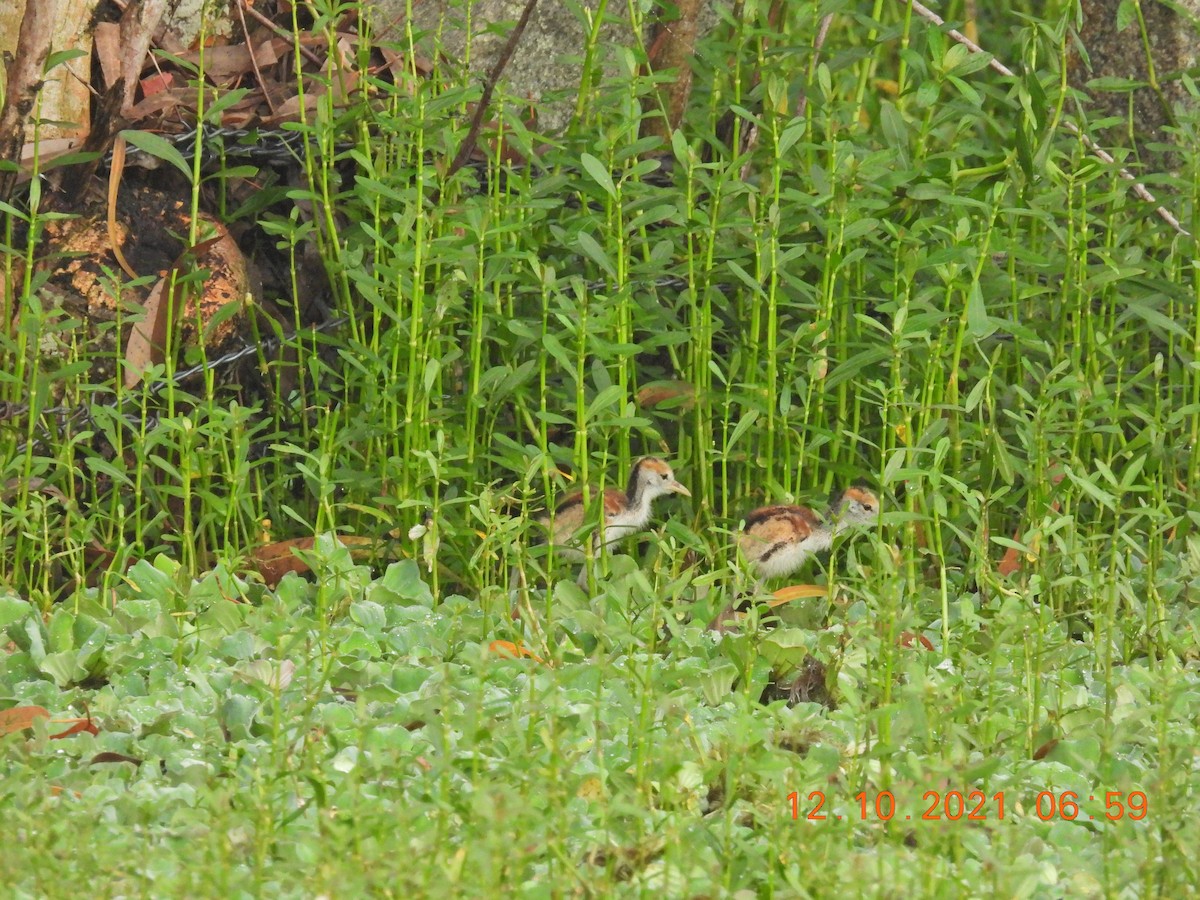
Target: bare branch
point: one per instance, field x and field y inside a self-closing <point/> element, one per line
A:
<point x="485" y="100"/>
<point x="1095" y="149"/>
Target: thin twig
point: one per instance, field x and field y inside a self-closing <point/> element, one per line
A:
<point x="241" y="11"/>
<point x="818" y="43"/>
<point x="468" y="146"/>
<point x="286" y="35"/>
<point x="1096" y="150"/>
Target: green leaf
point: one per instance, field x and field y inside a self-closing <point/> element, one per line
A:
<point x="859" y="228"/>
<point x="603" y="400"/>
<point x="856" y="364"/>
<point x="592" y="249"/>
<point x="1126" y="14"/>
<point x="1130" y="477"/>
<point x="369" y="615"/>
<point x="402" y="583"/>
<point x="1001" y="458"/>
<point x="1102" y="497"/>
<point x="741" y="428"/>
<point x="58" y="57"/>
<point x="599" y="173"/>
<point x="62" y="628"/>
<point x="680" y="147"/>
<point x="13" y="609"/>
<point x="787" y="647"/>
<point x="791" y="134"/>
<point x="1024" y="149"/>
<point x="1155" y="319"/>
<point x="90" y="655"/>
<point x="555" y="348"/>
<point x="746" y="278"/>
<point x="895" y="129"/>
<point x="979" y="324"/>
<point x="160" y="148"/>
<point x="62" y="668"/>
<point x="717" y="681"/>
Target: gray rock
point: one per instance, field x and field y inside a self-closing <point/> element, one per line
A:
<point x="549" y="58"/>
<point x="1174" y="45"/>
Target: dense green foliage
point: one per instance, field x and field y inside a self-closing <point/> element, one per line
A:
<point x="923" y="280"/>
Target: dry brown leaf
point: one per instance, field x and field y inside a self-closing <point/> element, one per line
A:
<point x="1046" y="749"/>
<point x="161" y="104"/>
<point x="275" y="560"/>
<point x="227" y="65"/>
<point x="108" y="756"/>
<point x="107" y="40"/>
<point x="514" y="651"/>
<point x="157" y="83"/>
<point x="77" y="726"/>
<point x="797" y="592"/>
<point x="1011" y="562"/>
<point x="21" y="717"/>
<point x="148" y="339"/>
<point x="114" y="188"/>
<point x="659" y="392"/>
<point x="140" y="350"/>
<point x="907" y="639"/>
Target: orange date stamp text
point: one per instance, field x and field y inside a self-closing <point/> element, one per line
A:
<point x="973" y="806"/>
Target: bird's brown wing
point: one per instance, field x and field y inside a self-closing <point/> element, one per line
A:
<point x="771" y="527"/>
<point x="569" y="514"/>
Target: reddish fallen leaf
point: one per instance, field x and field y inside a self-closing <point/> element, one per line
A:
<point x="106" y="38"/>
<point x="907" y="638"/>
<point x="1046" y="749"/>
<point x="1011" y="561"/>
<point x="660" y="392"/>
<point x="277" y="559"/>
<point x="78" y="725"/>
<point x="21" y="717"/>
<point x="515" y="651"/>
<point x="107" y="756"/>
<point x="160" y="81"/>
<point x="147" y="342"/>
<point x="226" y="65"/>
<point x="797" y="592"/>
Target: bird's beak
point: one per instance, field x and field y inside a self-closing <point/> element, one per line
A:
<point x="678" y="488"/>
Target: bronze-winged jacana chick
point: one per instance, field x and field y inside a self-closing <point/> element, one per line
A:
<point x="778" y="539"/>
<point x="624" y="511"/>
